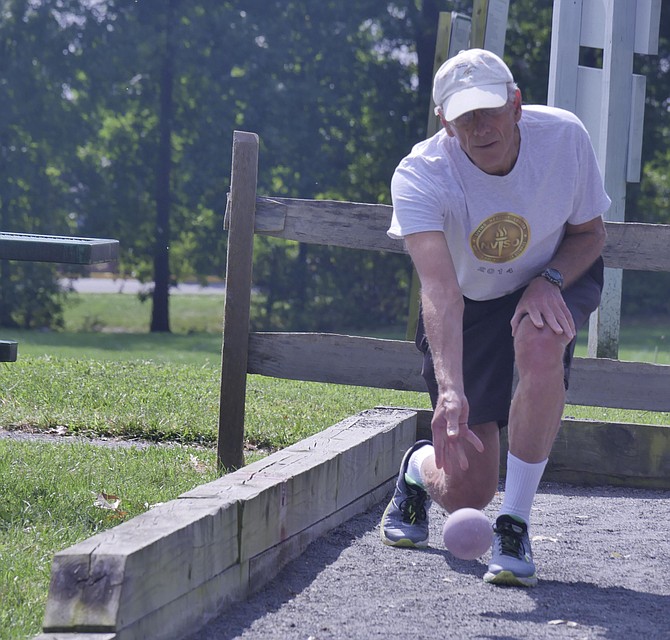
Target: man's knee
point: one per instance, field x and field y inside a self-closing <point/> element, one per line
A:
<point x="475" y="496"/>
<point x="476" y="486"/>
<point x="538" y="350"/>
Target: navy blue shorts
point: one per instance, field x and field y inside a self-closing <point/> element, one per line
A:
<point x="488" y="347"/>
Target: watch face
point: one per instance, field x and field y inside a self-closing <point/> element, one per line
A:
<point x="554" y="276"/>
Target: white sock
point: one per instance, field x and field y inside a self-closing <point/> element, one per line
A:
<point x="415" y="461"/>
<point x="521" y="482"/>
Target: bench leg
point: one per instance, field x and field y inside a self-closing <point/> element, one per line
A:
<point x="8" y="350"/>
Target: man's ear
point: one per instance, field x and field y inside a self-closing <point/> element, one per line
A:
<point x="517" y="104"/>
<point x="447" y="127"/>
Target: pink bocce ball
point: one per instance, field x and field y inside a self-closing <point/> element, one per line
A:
<point x="467" y="533"/>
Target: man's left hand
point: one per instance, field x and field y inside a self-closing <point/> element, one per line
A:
<point x="543" y="303"/>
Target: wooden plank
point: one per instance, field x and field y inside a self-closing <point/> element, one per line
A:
<point x="165" y="572"/>
<point x="637" y="246"/>
<point x="396" y="364"/>
<point x="564" y="54"/>
<point x="230" y="454"/>
<point x="453" y="34"/>
<point x="334" y="358"/>
<point x="270" y="561"/>
<point x="612" y="154"/>
<point x="307" y="482"/>
<point x="67" y="250"/>
<point x="496" y="25"/>
<point x="647" y="17"/>
<point x="629" y="455"/>
<point x="354" y="225"/>
<point x="635" y="133"/>
<point x="169" y="550"/>
<point x="600" y="382"/>
<point x="8" y="350"/>
<point x="597" y="453"/>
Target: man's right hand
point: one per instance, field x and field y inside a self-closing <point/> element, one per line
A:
<point x="451" y="432"/>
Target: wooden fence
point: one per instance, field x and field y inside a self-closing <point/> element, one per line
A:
<point x="395" y="364"/>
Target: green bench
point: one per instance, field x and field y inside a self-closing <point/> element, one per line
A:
<point x="63" y="249"/>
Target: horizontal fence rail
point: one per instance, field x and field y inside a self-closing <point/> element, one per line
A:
<point x="354" y="225"/>
<point x="396" y="364"/>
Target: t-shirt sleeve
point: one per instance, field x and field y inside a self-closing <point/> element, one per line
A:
<point x="416" y="205"/>
<point x="590" y="200"/>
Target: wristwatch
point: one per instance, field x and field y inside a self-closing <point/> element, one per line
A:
<point x="554" y="276"/>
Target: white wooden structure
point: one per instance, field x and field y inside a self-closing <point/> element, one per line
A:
<point x="610" y="102"/>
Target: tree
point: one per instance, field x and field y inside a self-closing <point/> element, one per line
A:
<point x="119" y="116"/>
<point x="38" y="136"/>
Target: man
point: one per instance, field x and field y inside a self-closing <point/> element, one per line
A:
<point x="501" y="213"/>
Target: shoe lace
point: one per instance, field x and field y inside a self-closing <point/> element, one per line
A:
<point x="511" y="539"/>
<point x="413" y="507"/>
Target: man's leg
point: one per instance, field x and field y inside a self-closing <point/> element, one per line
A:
<point x="405" y="520"/>
<point x="535" y="417"/>
<point x="488" y="363"/>
<point x="543" y="363"/>
<point x="473" y="488"/>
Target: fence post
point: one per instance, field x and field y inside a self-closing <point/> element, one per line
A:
<point x="240" y="214"/>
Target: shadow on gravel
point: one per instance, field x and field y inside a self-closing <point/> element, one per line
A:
<point x="602" y="560"/>
<point x="621" y="613"/>
<point x="296" y="576"/>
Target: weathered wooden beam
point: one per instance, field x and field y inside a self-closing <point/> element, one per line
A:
<point x="615" y="454"/>
<point x="242" y="200"/>
<point x="637" y="246"/>
<point x="630" y="245"/>
<point x="396" y="364"/>
<point x="67" y="250"/>
<point x="164" y="573"/>
<point x="588" y="452"/>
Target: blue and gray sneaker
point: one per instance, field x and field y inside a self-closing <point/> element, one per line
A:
<point x="405" y="520"/>
<point x="511" y="556"/>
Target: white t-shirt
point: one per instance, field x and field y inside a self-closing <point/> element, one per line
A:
<point x="501" y="230"/>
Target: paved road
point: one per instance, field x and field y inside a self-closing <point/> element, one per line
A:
<point x="120" y="285"/>
<point x="603" y="557"/>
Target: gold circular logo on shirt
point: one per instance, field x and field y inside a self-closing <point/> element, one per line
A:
<point x="500" y="238"/>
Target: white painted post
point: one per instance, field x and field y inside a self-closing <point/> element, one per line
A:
<point x="610" y="102"/>
<point x="489" y="25"/>
<point x="453" y="34"/>
<point x="456" y="31"/>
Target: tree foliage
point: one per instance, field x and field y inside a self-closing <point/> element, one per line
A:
<point x="119" y="114"/>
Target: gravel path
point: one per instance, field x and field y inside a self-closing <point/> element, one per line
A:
<point x="603" y="558"/>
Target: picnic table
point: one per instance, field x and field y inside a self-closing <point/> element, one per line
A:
<point x="44" y="248"/>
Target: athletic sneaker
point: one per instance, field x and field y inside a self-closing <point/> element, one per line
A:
<point x="511" y="556"/>
<point x="405" y="520"/>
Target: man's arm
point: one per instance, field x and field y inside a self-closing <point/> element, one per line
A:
<point x="442" y="308"/>
<point x="542" y="301"/>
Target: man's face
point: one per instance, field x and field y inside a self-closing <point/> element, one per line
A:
<point x="489" y="136"/>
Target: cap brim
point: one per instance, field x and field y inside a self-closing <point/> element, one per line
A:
<point x="488" y="96"/>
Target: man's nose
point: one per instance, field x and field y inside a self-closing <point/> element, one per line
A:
<point x="480" y="124"/>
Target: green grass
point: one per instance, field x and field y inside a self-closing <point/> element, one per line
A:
<point x="130" y="314"/>
<point x="50" y="501"/>
<point x="125" y="383"/>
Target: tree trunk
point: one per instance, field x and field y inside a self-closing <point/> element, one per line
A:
<point x="160" y="315"/>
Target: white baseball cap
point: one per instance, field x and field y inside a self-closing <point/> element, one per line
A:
<point x="472" y="79"/>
